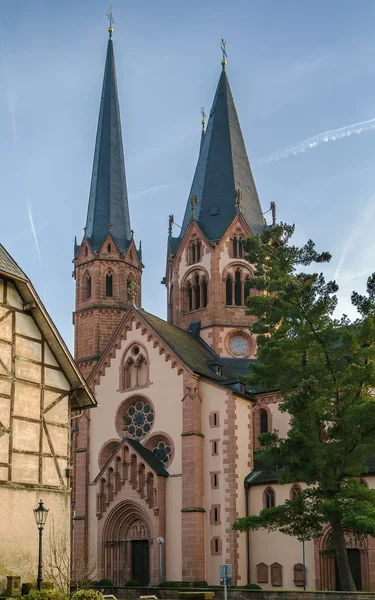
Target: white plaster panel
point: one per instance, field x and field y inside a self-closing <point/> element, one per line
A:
<point x="4" y="448"/>
<point x="56" y="379"/>
<point x="3" y="473"/>
<point x="5" y="325"/>
<point x="5" y="412"/>
<point x="13" y="296"/>
<point x="49" y="472"/>
<point x="27" y="370"/>
<point x="58" y="413"/>
<point x="25" y="468"/>
<point x="59" y="439"/>
<point x="5" y="386"/>
<point x="19" y="543"/>
<point x="27" y="400"/>
<point x="28" y="349"/>
<point x="27" y="326"/>
<point x="50" y="397"/>
<point x="49" y="359"/>
<point x="6" y="355"/>
<point x="46" y="448"/>
<point x="26" y="435"/>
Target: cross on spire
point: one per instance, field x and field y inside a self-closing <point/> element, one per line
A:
<point x="111" y="21"/>
<point x="224" y="51"/>
<point x="203" y="117"/>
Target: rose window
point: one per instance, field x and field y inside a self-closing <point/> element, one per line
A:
<point x="163" y="452"/>
<point x="140" y="418"/>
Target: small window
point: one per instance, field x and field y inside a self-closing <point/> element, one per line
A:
<point x="269" y="497"/>
<point x="234" y="247"/>
<point x="109" y="248"/>
<point x="204" y="293"/>
<point x="240" y="248"/>
<point x="216" y="514"/>
<point x="237" y="289"/>
<point x="215" y="447"/>
<point x="88" y="287"/>
<point x="190" y="297"/>
<point x="193" y="253"/>
<point x="228" y="291"/>
<point x="214" y="481"/>
<point x="131" y="254"/>
<point x="198" y="251"/>
<point x="214" y="419"/>
<point x="263" y="418"/>
<point x="216" y="546"/>
<point x="197" y="292"/>
<point x="86" y="252"/>
<point x="295" y="491"/>
<point x="108" y="285"/>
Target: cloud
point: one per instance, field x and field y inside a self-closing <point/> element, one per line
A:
<point x="322" y="138"/>
<point x="151" y="190"/>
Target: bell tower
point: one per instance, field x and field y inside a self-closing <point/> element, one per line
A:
<point x="107" y="264"/>
<point x="207" y="275"/>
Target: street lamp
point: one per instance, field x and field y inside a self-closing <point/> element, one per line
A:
<point x="160" y="541"/>
<point x="40" y="515"/>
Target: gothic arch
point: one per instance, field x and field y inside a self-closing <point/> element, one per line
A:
<point x="86" y="285"/>
<point x="236" y="277"/>
<point x="257" y="423"/>
<point x="269" y="497"/>
<point x="106" y="451"/>
<point x="109" y="282"/>
<point x="194" y="288"/>
<point x="134" y="370"/>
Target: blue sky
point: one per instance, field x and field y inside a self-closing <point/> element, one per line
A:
<point x="296" y="69"/>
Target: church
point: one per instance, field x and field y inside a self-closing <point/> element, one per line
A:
<point x="164" y="465"/>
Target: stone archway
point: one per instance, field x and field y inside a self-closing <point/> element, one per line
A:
<point x="325" y="563"/>
<point x="127" y="545"/>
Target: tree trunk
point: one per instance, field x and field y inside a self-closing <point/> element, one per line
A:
<point x="338" y="539"/>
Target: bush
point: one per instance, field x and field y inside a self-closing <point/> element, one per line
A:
<point x="45" y="595"/>
<point x="173" y="584"/>
<point x="105" y="583"/>
<point x="87" y="595"/>
<point x="132" y="583"/>
<point x="251" y="586"/>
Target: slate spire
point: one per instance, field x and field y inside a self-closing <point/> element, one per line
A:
<point x="108" y="209"/>
<point x="223" y="168"/>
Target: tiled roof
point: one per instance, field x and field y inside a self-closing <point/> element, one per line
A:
<point x="149" y="457"/>
<point x="8" y="266"/>
<point x="108" y="205"/>
<point x="223" y="167"/>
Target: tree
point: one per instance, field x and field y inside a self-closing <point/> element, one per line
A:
<point x="324" y="370"/>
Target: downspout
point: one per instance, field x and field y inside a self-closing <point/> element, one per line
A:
<point x="248" y="532"/>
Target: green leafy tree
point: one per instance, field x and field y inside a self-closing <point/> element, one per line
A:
<point x="324" y="370"/>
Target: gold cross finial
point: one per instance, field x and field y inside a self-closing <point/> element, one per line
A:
<point x="193" y="205"/>
<point x="111" y="21"/>
<point x="133" y="289"/>
<point x="224" y="51"/>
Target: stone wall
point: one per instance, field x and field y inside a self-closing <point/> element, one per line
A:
<point x="125" y="593"/>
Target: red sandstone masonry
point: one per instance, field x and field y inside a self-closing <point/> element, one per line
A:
<point x="230" y="453"/>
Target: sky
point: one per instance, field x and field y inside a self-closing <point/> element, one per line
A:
<point x="296" y="69"/>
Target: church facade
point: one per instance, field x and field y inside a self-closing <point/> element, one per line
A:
<point x="168" y="454"/>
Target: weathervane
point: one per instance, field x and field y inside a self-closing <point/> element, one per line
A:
<point x="111" y="21"/>
<point x="171" y="221"/>
<point x="224" y="51"/>
<point x="203" y="117"/>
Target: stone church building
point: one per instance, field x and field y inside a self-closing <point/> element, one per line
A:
<point x="169" y="450"/>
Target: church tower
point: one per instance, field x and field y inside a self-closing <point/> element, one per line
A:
<point x="107" y="264"/>
<point x="207" y="276"/>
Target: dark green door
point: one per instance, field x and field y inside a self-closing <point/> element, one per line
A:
<point x="141" y="562"/>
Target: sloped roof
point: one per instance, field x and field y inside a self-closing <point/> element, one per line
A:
<point x="108" y="205"/>
<point x="223" y="167"/>
<point x="149" y="457"/>
<point x="81" y="395"/>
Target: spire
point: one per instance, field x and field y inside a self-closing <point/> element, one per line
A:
<point x="108" y="205"/>
<point x="223" y="169"/>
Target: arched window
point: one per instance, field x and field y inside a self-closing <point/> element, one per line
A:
<point x="134" y="368"/>
<point x="234" y="247"/>
<point x="204" y="292"/>
<point x="263" y="421"/>
<point x="228" y="291"/>
<point x="295" y="491"/>
<point x="193" y="253"/>
<point x="269" y="498"/>
<point x="88" y="287"/>
<point x="189" y="296"/>
<point x="109" y="248"/>
<point x="240" y="248"/>
<point x="197" y="292"/>
<point x="198" y="251"/>
<point x="129" y="288"/>
<point x="247" y="288"/>
<point x="108" y="285"/>
<point x="237" y="289"/>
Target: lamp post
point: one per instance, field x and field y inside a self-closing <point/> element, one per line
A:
<point x="40" y="514"/>
<point x="160" y="541"/>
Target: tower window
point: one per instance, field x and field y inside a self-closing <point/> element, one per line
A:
<point x="197" y="292"/>
<point x="198" y="251"/>
<point x="228" y="291"/>
<point x="86" y="252"/>
<point x="190" y="296"/>
<point x="234" y="247"/>
<point x="263" y="421"/>
<point x="109" y="248"/>
<point x="108" y="285"/>
<point x="193" y="253"/>
<point x="204" y="293"/>
<point x="237" y="289"/>
<point x="88" y="287"/>
<point x="240" y="248"/>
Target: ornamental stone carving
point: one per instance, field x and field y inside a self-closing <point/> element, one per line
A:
<point x="276" y="574"/>
<point x="137" y="531"/>
<point x="262" y="573"/>
<point x="298" y="574"/>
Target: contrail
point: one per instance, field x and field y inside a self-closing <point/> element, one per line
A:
<point x="31" y="221"/>
<point x="151" y="190"/>
<point x="365" y="217"/>
<point x="322" y="138"/>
